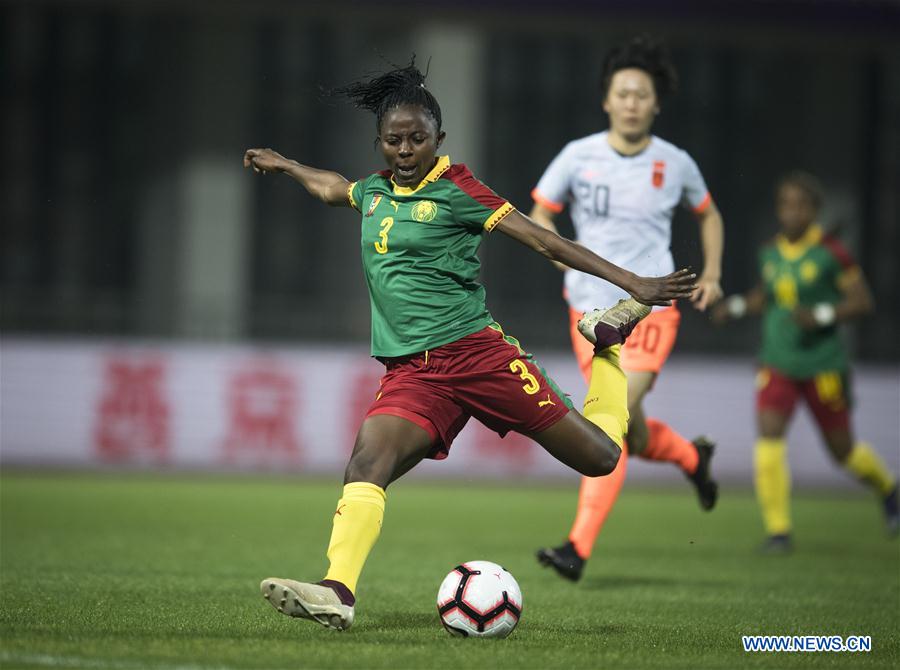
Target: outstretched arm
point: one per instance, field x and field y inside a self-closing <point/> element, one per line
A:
<point x="648" y="290"/>
<point x="543" y="216"/>
<point x="712" y="236"/>
<point x="329" y="187"/>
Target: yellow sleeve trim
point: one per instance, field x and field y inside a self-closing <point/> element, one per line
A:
<point x="848" y="276"/>
<point x="350" y="196"/>
<point x="499" y="214"/>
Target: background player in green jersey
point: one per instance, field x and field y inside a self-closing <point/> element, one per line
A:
<point x="446" y="360"/>
<point x="809" y="284"/>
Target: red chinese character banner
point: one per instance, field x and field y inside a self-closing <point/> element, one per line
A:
<point x="262" y="413"/>
<point x="132" y="411"/>
<point x="297" y="410"/>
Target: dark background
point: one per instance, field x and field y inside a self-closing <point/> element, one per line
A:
<point x="127" y="213"/>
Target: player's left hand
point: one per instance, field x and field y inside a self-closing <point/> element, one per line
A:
<point x="803" y="317"/>
<point x="708" y="292"/>
<point x="662" y="290"/>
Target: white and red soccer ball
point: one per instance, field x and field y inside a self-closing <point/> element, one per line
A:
<point x="479" y="599"/>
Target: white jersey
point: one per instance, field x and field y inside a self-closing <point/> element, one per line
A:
<point x="622" y="208"/>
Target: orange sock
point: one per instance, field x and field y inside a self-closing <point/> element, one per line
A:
<point x="664" y="444"/>
<point x="595" y="501"/>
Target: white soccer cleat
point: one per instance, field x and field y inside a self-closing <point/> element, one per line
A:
<point x="606" y="327"/>
<point x="307" y="601"/>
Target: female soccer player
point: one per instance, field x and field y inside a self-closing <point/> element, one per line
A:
<point x="809" y="284"/>
<point x="446" y="359"/>
<point x="622" y="186"/>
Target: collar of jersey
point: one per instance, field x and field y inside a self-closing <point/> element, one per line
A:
<point x="443" y="163"/>
<point x="626" y="156"/>
<point x="794" y="250"/>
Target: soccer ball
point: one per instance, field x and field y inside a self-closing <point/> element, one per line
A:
<point x="479" y="599"/>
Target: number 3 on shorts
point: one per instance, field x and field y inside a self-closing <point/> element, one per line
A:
<point x="531" y="384"/>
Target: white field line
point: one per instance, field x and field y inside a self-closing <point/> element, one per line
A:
<point x="10" y="659"/>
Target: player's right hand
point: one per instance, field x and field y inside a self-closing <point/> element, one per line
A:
<point x="264" y="160"/>
<point x="662" y="290"/>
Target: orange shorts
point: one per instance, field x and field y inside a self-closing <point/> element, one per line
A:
<point x="646" y="349"/>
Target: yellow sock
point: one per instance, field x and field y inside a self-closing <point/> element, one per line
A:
<point x="357" y="524"/>
<point x="606" y="403"/>
<point x="867" y="465"/>
<point x="773" y="484"/>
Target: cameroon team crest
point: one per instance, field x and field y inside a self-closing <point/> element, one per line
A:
<point x="424" y="210"/>
<point x="809" y="271"/>
<point x="659" y="173"/>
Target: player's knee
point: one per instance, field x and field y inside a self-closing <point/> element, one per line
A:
<point x="637" y="441"/>
<point x="635" y="405"/>
<point x="770" y="431"/>
<point x="839" y="454"/>
<point x="604" y="459"/>
<point x="369" y="463"/>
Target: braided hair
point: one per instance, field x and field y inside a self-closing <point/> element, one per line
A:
<point x="401" y="86"/>
<point x="644" y="54"/>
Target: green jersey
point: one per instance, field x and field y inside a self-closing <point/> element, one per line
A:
<point x="419" y="254"/>
<point x="806" y="272"/>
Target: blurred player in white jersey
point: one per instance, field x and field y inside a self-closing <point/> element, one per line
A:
<point x="622" y="187"/>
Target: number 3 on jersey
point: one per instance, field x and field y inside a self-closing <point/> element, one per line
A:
<point x="531" y="385"/>
<point x="386" y="223"/>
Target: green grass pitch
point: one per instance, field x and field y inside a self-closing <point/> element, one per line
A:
<point x="144" y="571"/>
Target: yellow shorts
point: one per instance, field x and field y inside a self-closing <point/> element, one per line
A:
<point x="646" y="349"/>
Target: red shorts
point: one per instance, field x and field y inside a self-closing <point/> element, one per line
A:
<point x="827" y="395"/>
<point x="646" y="349"/>
<point x="485" y="375"/>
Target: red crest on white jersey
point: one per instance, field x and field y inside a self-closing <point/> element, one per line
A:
<point x="659" y="173"/>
